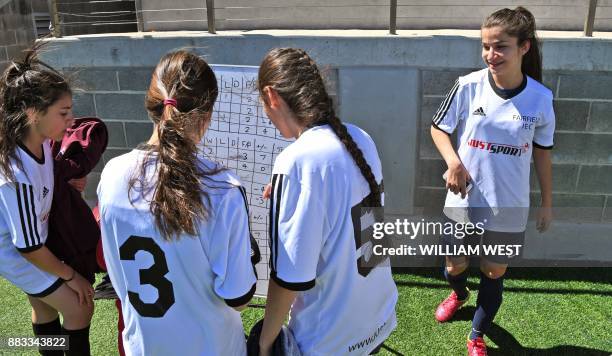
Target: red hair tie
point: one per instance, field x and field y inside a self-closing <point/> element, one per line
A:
<point x="171" y="102"/>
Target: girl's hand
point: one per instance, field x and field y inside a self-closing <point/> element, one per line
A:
<point x="78" y="183"/>
<point x="267" y="191"/>
<point x="456" y="178"/>
<point x="82" y="288"/>
<point x="543" y="219"/>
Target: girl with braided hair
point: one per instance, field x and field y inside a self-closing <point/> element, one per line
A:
<point x="319" y="184"/>
<point x="36" y="108"/>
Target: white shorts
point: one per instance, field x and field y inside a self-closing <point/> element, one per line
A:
<point x="23" y="274"/>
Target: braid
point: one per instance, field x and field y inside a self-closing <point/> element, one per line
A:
<point x="374" y="199"/>
<point x="296" y="78"/>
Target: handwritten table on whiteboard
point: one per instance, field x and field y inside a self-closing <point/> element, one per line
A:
<point x="242" y="138"/>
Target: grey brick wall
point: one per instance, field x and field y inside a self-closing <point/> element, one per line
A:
<point x="16" y="30"/>
<point x="117" y="96"/>
<point x="582" y="157"/>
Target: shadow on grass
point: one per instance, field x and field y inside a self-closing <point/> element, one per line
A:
<point x="474" y="286"/>
<point x="391" y="351"/>
<point x="594" y="275"/>
<point x="584" y="274"/>
<point x="508" y="345"/>
<point x="464" y="314"/>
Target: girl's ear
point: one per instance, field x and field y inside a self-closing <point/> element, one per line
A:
<point x="525" y="46"/>
<point x="32" y="116"/>
<point x="271" y="97"/>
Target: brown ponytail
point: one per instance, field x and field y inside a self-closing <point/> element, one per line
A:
<point x="179" y="201"/>
<point x="25" y="84"/>
<point x="296" y="78"/>
<point x="521" y="24"/>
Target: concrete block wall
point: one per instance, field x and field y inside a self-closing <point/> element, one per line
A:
<point x="582" y="156"/>
<point x="388" y="85"/>
<point x="117" y="95"/>
<point x="16" y="29"/>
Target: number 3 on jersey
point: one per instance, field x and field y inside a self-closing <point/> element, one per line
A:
<point x="154" y="276"/>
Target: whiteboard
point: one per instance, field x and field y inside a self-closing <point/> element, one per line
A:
<point x="243" y="139"/>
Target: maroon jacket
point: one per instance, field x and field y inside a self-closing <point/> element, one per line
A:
<point x="73" y="231"/>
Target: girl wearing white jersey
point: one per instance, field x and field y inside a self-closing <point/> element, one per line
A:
<point x="175" y="226"/>
<point x="36" y="107"/>
<point x="503" y="116"/>
<point x="320" y="183"/>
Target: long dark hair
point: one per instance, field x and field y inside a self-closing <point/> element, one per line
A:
<point x="296" y="78"/>
<point x="521" y="24"/>
<point x="28" y="83"/>
<point x="178" y="199"/>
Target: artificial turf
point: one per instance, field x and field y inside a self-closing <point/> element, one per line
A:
<point x="563" y="311"/>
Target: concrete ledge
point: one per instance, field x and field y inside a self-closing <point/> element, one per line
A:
<point x="449" y="49"/>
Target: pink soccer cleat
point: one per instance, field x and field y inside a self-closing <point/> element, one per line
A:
<point x="447" y="309"/>
<point x="477" y="347"/>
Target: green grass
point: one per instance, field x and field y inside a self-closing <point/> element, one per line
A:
<point x="545" y="312"/>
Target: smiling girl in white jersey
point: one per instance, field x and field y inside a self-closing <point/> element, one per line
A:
<point x="503" y="116"/>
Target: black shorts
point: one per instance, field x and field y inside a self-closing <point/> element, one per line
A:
<point x="494" y="246"/>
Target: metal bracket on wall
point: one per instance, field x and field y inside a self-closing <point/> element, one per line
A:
<point x="210" y="15"/>
<point x="590" y="19"/>
<point x="393" y="17"/>
<point x="139" y="20"/>
<point x="56" y="30"/>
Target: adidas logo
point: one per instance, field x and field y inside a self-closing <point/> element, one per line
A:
<point x="479" y="112"/>
<point x="45" y="192"/>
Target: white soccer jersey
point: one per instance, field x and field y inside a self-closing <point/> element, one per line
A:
<point x="25" y="205"/>
<point x="496" y="132"/>
<point x="176" y="295"/>
<point x="341" y="309"/>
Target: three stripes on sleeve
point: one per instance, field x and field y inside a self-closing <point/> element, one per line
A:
<point x="445" y="106"/>
<point x="28" y="221"/>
